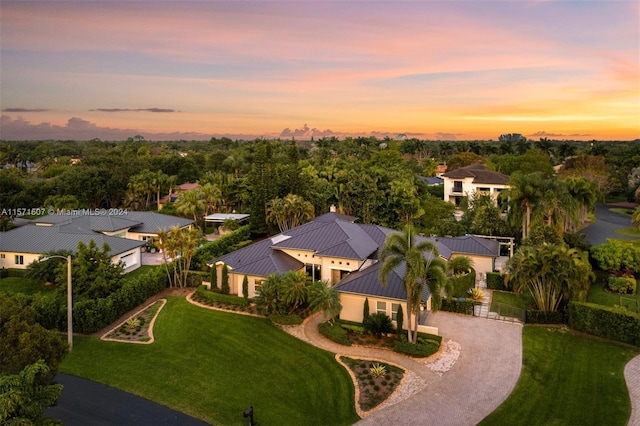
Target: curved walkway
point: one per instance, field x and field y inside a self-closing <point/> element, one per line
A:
<point x="483" y="376"/>
<point x="632" y="377"/>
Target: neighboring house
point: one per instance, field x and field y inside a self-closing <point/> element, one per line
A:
<point x="431" y="180"/>
<point x="170" y="198"/>
<point x="473" y="179"/>
<point x="124" y="233"/>
<point x="346" y="255"/>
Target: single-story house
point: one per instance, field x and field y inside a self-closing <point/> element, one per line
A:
<point x="125" y="234"/>
<point x="335" y="249"/>
<point x="473" y="179"/>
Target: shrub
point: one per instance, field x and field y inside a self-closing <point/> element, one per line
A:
<point x="334" y="332"/>
<point x="461" y="284"/>
<point x="611" y="323"/>
<point x="291" y="319"/>
<point x="496" y="281"/>
<point x="378" y="324"/>
<point x="365" y="310"/>
<point x="544" y="317"/>
<point x="622" y="285"/>
<point x="460" y="306"/>
<point x="223" y="245"/>
<point x="225" y="280"/>
<point x="418" y="350"/>
<point x="399" y="320"/>
<point x="245" y="286"/>
<point x="211" y="296"/>
<point x="356" y="328"/>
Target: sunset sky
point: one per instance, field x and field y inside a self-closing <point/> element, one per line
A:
<point x="456" y="70"/>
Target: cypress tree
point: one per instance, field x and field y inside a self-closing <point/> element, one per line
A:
<point x="399" y="320"/>
<point x="214" y="277"/>
<point x="365" y="313"/>
<point x="225" y="280"/>
<point x="245" y="287"/>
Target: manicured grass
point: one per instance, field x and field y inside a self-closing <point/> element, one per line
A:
<point x="621" y="210"/>
<point x="213" y="365"/>
<point x="597" y="294"/>
<point x="567" y="379"/>
<point x="521" y="301"/>
<point x="15" y="285"/>
<point x="140" y="271"/>
<point x="628" y="231"/>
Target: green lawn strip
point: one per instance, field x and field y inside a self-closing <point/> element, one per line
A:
<point x="567" y="379"/>
<point x="15" y="285"/>
<point x="214" y="365"/>
<point x="521" y="301"/>
<point x="598" y="295"/>
<point x="628" y="231"/>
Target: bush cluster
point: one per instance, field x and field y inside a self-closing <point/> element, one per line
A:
<point x="334" y="332"/>
<point x="378" y="324"/>
<point x="223" y="245"/>
<point x="462" y="283"/>
<point x="544" y="317"/>
<point x="611" y="323"/>
<point x="419" y="350"/>
<point x="202" y="294"/>
<point x="622" y="285"/>
<point x="90" y="315"/>
<point x="458" y="306"/>
<point x="496" y="281"/>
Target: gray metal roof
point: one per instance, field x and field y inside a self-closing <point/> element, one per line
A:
<point x="367" y="282"/>
<point x="135" y="221"/>
<point x="431" y="180"/>
<point x="468" y="244"/>
<point x="221" y="217"/>
<point x="259" y="259"/>
<point x="43" y="239"/>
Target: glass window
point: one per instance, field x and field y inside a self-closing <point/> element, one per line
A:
<point x="381" y="307"/>
<point x="19" y="259"/>
<point x="394" y="311"/>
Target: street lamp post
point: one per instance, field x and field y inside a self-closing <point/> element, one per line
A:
<point x="69" y="299"/>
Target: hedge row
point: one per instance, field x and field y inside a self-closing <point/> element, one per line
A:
<point x="496" y="281"/>
<point x="335" y="332"/>
<point x="604" y="321"/>
<point x="458" y="306"/>
<point x="462" y="284"/>
<point x="90" y="315"/>
<point x="13" y="272"/>
<point x="202" y="294"/>
<point x="223" y="245"/>
<point x="544" y="317"/>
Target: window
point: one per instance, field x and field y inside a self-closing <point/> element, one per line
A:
<point x="394" y="311"/>
<point x="457" y="186"/>
<point x="381" y="307"/>
<point x="2" y="256"/>
<point x="19" y="259"/>
<point x="313" y="271"/>
<point x="257" y="284"/>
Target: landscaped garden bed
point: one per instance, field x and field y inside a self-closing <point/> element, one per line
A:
<point x="139" y="327"/>
<point x="376" y="380"/>
<point x="224" y="301"/>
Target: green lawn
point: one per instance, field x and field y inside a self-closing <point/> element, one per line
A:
<point x="14" y="285"/>
<point x="597" y="294"/>
<point x="628" y="231"/>
<point x="567" y="379"/>
<point x="213" y="365"/>
<point x="141" y="271"/>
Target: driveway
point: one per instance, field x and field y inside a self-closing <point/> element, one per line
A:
<point x="483" y="376"/>
<point x="605" y="226"/>
<point x="87" y="403"/>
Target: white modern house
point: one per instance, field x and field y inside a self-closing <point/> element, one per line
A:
<point x="473" y="179"/>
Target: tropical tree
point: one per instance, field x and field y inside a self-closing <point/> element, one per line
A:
<point x="289" y="212"/>
<point x="190" y="204"/>
<point x="324" y="298"/>
<point x="585" y="194"/>
<point x="268" y="295"/>
<point x="524" y="194"/>
<point x="23" y="398"/>
<point x="295" y="289"/>
<point x="460" y="265"/>
<point x="422" y="266"/>
<point x="212" y="197"/>
<point x="178" y="246"/>
<point x="553" y="274"/>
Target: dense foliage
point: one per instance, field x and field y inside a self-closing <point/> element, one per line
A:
<point x="612" y="323"/>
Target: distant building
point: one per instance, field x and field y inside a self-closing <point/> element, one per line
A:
<point x="473" y="179"/>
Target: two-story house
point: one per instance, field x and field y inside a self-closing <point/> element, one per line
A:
<point x="473" y="179"/>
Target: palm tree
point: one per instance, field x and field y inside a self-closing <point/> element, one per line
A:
<point x="324" y="298"/>
<point x="289" y="212"/>
<point x="267" y="296"/>
<point x="422" y="267"/>
<point x="212" y="197"/>
<point x="524" y="194"/>
<point x="190" y="203"/>
<point x="295" y="289"/>
<point x="460" y="265"/>
<point x="585" y="192"/>
<point x="552" y="273"/>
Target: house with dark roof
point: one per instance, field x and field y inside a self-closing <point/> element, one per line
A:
<point x="125" y="233"/>
<point x="335" y="249"/>
<point x="473" y="179"/>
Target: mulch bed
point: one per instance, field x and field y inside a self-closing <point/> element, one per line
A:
<point x="374" y="388"/>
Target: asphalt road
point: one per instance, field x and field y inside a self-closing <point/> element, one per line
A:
<point x="87" y="403"/>
<point x="605" y="226"/>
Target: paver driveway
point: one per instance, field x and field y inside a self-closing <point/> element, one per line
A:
<point x="483" y="376"/>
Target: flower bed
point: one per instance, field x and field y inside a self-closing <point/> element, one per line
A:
<point x="137" y="328"/>
<point x="376" y="380"/>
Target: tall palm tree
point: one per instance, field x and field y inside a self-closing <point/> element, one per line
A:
<point x="289" y="212"/>
<point x="190" y="203"/>
<point x="422" y="267"/>
<point x="585" y="192"/>
<point x="212" y="197"/>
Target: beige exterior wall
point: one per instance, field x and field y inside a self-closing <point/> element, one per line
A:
<point x="353" y="309"/>
<point x="482" y="264"/>
<point x="8" y="260"/>
<point x="327" y="264"/>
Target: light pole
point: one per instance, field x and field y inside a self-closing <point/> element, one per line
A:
<point x="69" y="298"/>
